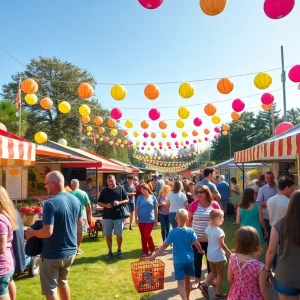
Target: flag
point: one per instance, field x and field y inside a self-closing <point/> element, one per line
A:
<point x="18" y="99"/>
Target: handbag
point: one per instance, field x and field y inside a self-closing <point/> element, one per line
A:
<point x="124" y="211"/>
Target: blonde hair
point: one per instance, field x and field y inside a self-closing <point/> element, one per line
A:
<point x="165" y="188"/>
<point x="247" y="241"/>
<point x="216" y="213"/>
<point x="182" y="215"/>
<point x="7" y="208"/>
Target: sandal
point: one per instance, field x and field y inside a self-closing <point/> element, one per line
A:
<point x="204" y="289"/>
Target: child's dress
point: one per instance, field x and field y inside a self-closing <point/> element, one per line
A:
<point x="246" y="273"/>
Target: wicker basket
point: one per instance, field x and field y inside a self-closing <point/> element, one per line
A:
<point x="148" y="275"/>
<point x="28" y="220"/>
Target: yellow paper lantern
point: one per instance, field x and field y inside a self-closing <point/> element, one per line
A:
<point x="118" y="92"/>
<point x="63" y="142"/>
<point x="125" y="142"/>
<point x="199" y="140"/>
<point x="226" y="127"/>
<point x="137" y="143"/>
<point x="41" y="137"/>
<point x="235" y="116"/>
<point x="183" y="112"/>
<point x="182" y="143"/>
<point x="111" y="142"/>
<point x="262" y="80"/>
<point x="84" y="110"/>
<point x="29" y="86"/>
<point x="64" y="107"/>
<point x="119" y="141"/>
<point x="114" y="132"/>
<point x="206" y="131"/>
<point x="31" y="99"/>
<point x="163" y="135"/>
<point x="216" y="119"/>
<point x="134" y="147"/>
<point x="89" y="128"/>
<point x="85" y="90"/>
<point x="128" y="124"/>
<point x="135" y="134"/>
<point x="122" y="146"/>
<point x="180" y="123"/>
<point x="224" y="132"/>
<point x="98" y="121"/>
<point x="210" y="109"/>
<point x="186" y="90"/>
<point x="184" y="134"/>
<point x="101" y="139"/>
<point x="88" y="133"/>
<point x="101" y="130"/>
<point x="85" y="120"/>
<point x="148" y="148"/>
<point x="46" y="103"/>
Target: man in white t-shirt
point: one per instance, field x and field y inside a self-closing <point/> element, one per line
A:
<point x="277" y="205"/>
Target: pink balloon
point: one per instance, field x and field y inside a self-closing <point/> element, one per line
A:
<point x="197" y="122"/>
<point x="142" y="148"/>
<point x="173" y="135"/>
<point x="154" y="114"/>
<point x="278" y="9"/>
<point x="116" y="113"/>
<point x="217" y="130"/>
<point x="206" y="139"/>
<point x="282" y="127"/>
<point x="144" y="143"/>
<point x="267" y="99"/>
<point x="145" y="135"/>
<point x="294" y="74"/>
<point x="238" y="105"/>
<point x="3" y="127"/>
<point x="151" y="4"/>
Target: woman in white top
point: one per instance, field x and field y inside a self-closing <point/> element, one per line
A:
<point x="176" y="200"/>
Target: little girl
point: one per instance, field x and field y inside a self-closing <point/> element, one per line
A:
<point x="247" y="275"/>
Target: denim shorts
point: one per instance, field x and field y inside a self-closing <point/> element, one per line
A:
<point x="182" y="269"/>
<point x="4" y="282"/>
<point x="111" y="227"/>
<point x="285" y="290"/>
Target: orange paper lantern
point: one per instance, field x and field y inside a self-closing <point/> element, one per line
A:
<point x="226" y="127"/>
<point x="153" y="135"/>
<point x="212" y="7"/>
<point x="195" y="133"/>
<point x="98" y="121"/>
<point x="85" y="90"/>
<point x="85" y="119"/>
<point x="29" y="86"/>
<point x="111" y="122"/>
<point x="235" y="116"/>
<point x="101" y="130"/>
<point x="144" y="124"/>
<point x="124" y="133"/>
<point x="206" y="131"/>
<point x="163" y="125"/>
<point x="267" y="106"/>
<point x="210" y="109"/>
<point x="152" y="91"/>
<point x="46" y="103"/>
<point x="225" y="86"/>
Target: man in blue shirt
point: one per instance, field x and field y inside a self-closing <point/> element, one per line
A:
<point x="61" y="218"/>
<point x="224" y="190"/>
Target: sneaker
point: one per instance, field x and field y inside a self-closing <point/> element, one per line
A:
<point x="79" y="251"/>
<point x="125" y="228"/>
<point x="109" y="256"/>
<point x="130" y="227"/>
<point x="204" y="289"/>
<point x="120" y="254"/>
<point x="221" y="296"/>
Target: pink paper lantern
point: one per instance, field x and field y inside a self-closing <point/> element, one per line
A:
<point x="176" y="143"/>
<point x="145" y="143"/>
<point x="206" y="139"/>
<point x="160" y="148"/>
<point x="151" y="4"/>
<point x="131" y="143"/>
<point x="116" y="144"/>
<point x="154" y="114"/>
<point x="195" y="141"/>
<point x="184" y="147"/>
<point x="116" y="113"/>
<point x="278" y="9"/>
<point x="177" y="146"/>
<point x="128" y="147"/>
<point x="282" y="127"/>
<point x="170" y="147"/>
<point x="197" y="122"/>
<point x="106" y="139"/>
<point x="267" y="99"/>
<point x="145" y="135"/>
<point x="294" y="74"/>
<point x="173" y="135"/>
<point x="217" y="130"/>
<point x="155" y="149"/>
<point x="187" y="142"/>
<point x="3" y="127"/>
<point x="216" y="136"/>
<point x="152" y="144"/>
<point x="238" y="105"/>
<point x="142" y="148"/>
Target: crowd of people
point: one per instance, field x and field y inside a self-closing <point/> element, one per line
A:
<point x="268" y="215"/>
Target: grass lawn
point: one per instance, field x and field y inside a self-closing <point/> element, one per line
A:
<point x="93" y="278"/>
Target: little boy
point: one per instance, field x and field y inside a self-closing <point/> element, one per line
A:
<point x="215" y="254"/>
<point x="182" y="238"/>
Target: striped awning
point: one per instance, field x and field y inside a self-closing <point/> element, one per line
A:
<point x="16" y="152"/>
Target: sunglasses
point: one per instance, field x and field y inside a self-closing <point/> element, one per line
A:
<point x="200" y="192"/>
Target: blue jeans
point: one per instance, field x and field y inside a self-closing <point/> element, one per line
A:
<point x="172" y="220"/>
<point x="165" y="225"/>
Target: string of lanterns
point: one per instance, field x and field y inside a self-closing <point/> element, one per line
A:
<point x="171" y="157"/>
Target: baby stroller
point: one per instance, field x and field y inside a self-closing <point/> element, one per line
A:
<point x="94" y="227"/>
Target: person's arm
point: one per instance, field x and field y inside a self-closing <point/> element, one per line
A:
<point x="262" y="221"/>
<point x="3" y="243"/>
<point x="272" y="249"/>
<point x="160" y="251"/>
<point x="137" y="209"/>
<point x="230" y="275"/>
<point x="223" y="246"/>
<point x="156" y="214"/>
<point x="198" y="246"/>
<point x="263" y="285"/>
<point x="79" y="222"/>
<point x="88" y="212"/>
<point x="238" y="217"/>
<point x="101" y="199"/>
<point x="260" y="198"/>
<point x="190" y="219"/>
<point x="216" y="195"/>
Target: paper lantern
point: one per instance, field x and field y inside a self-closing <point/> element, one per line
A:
<point x="151" y="4"/>
<point x="217" y="130"/>
<point x="162" y="125"/>
<point x="226" y="127"/>
<point x="210" y="109"/>
<point x="41" y="137"/>
<point x="216" y="119"/>
<point x="153" y="135"/>
<point x="206" y="139"/>
<point x="186" y="90"/>
<point x="46" y="103"/>
<point x="135" y="134"/>
<point x="267" y="107"/>
<point x="213" y="7"/>
<point x="98" y="121"/>
<point x="64" y="107"/>
<point x="154" y="114"/>
<point x="238" y="105"/>
<point x="3" y="127"/>
<point x="101" y="139"/>
<point x="197" y="122"/>
<point x="145" y="135"/>
<point x="225" y="86"/>
<point x="184" y="134"/>
<point x="194" y="132"/>
<point x="128" y="124"/>
<point x="125" y="142"/>
<point x="206" y="131"/>
<point x="106" y="139"/>
<point x="122" y="146"/>
<point x="89" y="128"/>
<point x="183" y="112"/>
<point x="152" y="91"/>
<point x="119" y="141"/>
<point x="163" y="135"/>
<point x="278" y="9"/>
<point x="282" y="127"/>
<point x="216" y="136"/>
<point x="235" y="116"/>
<point x="111" y="122"/>
<point x="137" y="143"/>
<point x="152" y="144"/>
<point x="84" y="110"/>
<point x="114" y="132"/>
<point x="173" y="135"/>
<point x="224" y="132"/>
<point x="88" y="133"/>
<point x="31" y="99"/>
<point x="118" y="92"/>
<point x="111" y="142"/>
<point x="180" y="123"/>
<point x="124" y="133"/>
<point x="116" y="113"/>
<point x="267" y="99"/>
<point x="29" y="86"/>
<point x="199" y="140"/>
<point x="63" y="142"/>
<point x="262" y="80"/>
<point x="144" y="124"/>
<point x="101" y="130"/>
<point x="294" y="74"/>
<point x="97" y="137"/>
<point x="85" y="90"/>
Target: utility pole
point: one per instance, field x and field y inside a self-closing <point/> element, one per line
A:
<point x="283" y="80"/>
<point x="229" y="136"/>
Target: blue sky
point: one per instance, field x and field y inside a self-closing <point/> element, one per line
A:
<point x="119" y="41"/>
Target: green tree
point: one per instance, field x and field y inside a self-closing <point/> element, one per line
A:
<point x="293" y="116"/>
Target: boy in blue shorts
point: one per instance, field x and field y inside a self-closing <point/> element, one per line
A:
<point x="182" y="239"/>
